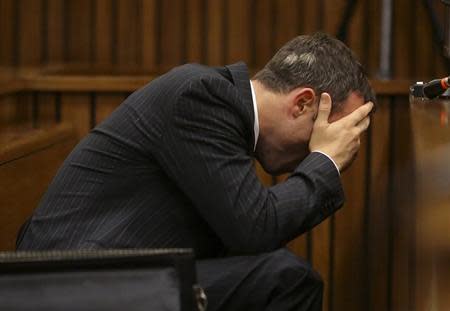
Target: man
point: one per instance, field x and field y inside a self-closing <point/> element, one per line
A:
<point x="173" y="167"/>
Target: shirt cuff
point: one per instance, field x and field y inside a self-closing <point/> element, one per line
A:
<point x="337" y="168"/>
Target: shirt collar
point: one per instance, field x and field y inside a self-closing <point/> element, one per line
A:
<point x="255" y="110"/>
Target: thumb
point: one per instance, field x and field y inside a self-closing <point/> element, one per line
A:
<point x="324" y="109"/>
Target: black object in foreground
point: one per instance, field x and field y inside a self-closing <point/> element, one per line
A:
<point x="141" y="279"/>
<point x="436" y="87"/>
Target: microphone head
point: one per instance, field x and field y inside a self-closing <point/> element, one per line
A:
<point x="435" y="88"/>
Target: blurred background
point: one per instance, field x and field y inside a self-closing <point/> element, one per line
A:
<point x="71" y="62"/>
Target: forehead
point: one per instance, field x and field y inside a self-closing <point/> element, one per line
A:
<point x="353" y="102"/>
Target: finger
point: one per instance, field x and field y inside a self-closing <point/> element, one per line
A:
<point x="324" y="108"/>
<point x="359" y="114"/>
<point x="363" y="125"/>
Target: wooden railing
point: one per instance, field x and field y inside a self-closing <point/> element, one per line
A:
<point x="80" y="78"/>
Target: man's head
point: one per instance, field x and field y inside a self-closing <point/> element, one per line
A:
<point x="288" y="89"/>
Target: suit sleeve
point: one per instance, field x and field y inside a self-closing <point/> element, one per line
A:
<point x="206" y="154"/>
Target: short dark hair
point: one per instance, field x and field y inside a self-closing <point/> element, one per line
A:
<point x="320" y="62"/>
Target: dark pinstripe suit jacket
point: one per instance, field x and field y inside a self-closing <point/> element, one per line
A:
<point x="173" y="167"/>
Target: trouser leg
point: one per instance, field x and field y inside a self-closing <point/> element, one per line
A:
<point x="276" y="281"/>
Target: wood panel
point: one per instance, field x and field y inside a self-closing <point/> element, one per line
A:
<point x="85" y="83"/>
<point x="7" y="32"/>
<point x="150" y="35"/>
<point x="373" y="14"/>
<point x="106" y="104"/>
<point x="172" y="33"/>
<point x="195" y="32"/>
<point x="348" y="239"/>
<point x="320" y="256"/>
<point x="46" y="109"/>
<point x="356" y="31"/>
<point x="403" y="45"/>
<point x="216" y="43"/>
<point x="8" y="112"/>
<point x="402" y="215"/>
<point x="30" y="36"/>
<point x="287" y="21"/>
<point x="378" y="208"/>
<point x="238" y="31"/>
<point x="422" y="67"/>
<point x="40" y="152"/>
<point x="161" y="34"/>
<point x="55" y="31"/>
<point x="103" y="33"/>
<point x="441" y="64"/>
<point x="312" y="16"/>
<point x="78" y="31"/>
<point x="333" y="10"/>
<point x="429" y="180"/>
<point x="18" y="110"/>
<point x="76" y="109"/>
<point x="262" y="45"/>
<point x="129" y="19"/>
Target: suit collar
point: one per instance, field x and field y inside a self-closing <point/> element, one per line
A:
<point x="241" y="79"/>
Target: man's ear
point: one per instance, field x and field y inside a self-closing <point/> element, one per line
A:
<point x="303" y="100"/>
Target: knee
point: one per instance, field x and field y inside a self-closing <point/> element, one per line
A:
<point x="295" y="270"/>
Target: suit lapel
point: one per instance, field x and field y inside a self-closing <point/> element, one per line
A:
<point x="239" y="73"/>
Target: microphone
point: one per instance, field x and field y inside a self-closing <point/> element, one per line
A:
<point x="436" y="87"/>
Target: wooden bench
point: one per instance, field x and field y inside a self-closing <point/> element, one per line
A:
<point x="29" y="158"/>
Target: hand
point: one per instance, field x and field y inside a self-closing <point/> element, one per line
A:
<point x="341" y="139"/>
